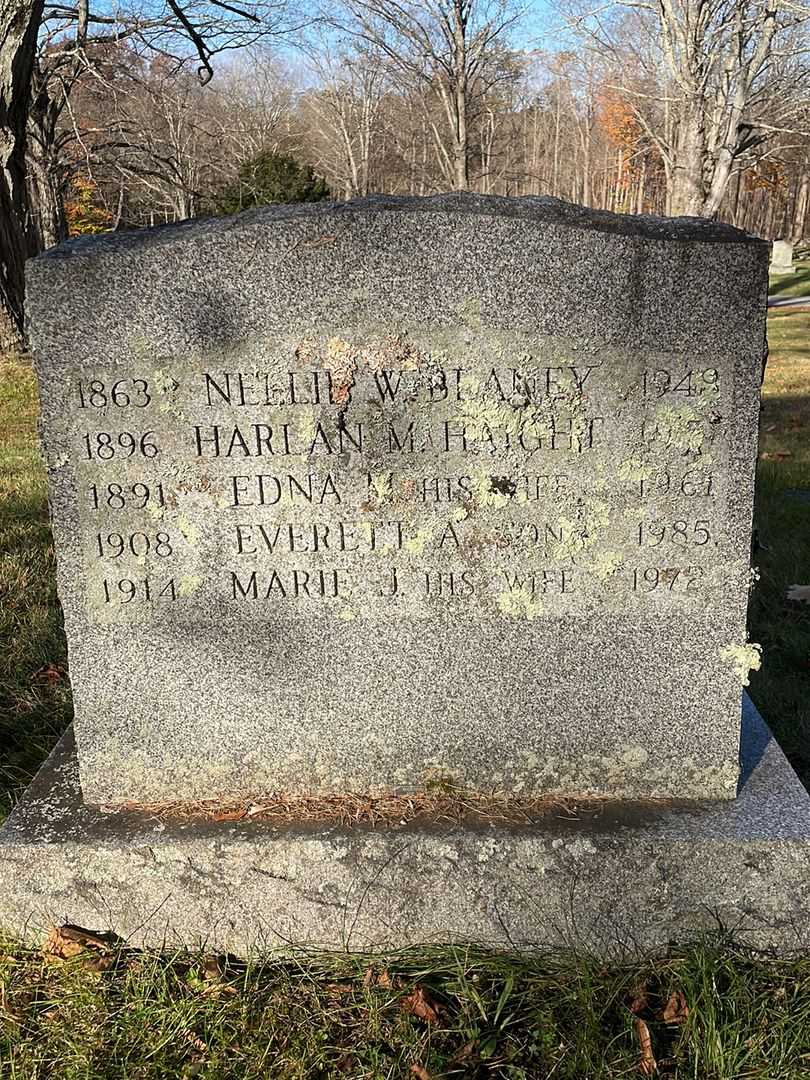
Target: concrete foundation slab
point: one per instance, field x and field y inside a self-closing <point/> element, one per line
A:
<point x="630" y="879"/>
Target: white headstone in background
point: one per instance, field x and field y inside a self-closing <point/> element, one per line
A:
<point x="782" y="257"/>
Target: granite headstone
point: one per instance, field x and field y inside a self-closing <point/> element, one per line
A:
<point x="407" y="494"/>
<point x="362" y="497"/>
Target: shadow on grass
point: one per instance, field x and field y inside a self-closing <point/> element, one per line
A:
<point x="796" y="284"/>
<point x="781" y="688"/>
<point x="784" y="435"/>
<point x="789" y="334"/>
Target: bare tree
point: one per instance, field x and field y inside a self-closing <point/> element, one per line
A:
<point x="343" y="114"/>
<point x="448" y="45"/>
<point x="19" y="22"/>
<point x="51" y="45"/>
<point x="254" y="103"/>
<point x="165" y="145"/>
<point x="702" y="75"/>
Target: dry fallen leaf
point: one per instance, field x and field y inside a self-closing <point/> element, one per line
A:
<point x="647" y="1063"/>
<point x="638" y="1002"/>
<point x="194" y="1040"/>
<point x="50" y="674"/>
<point x="420" y="1072"/>
<point x="212" y="968"/>
<point x="466" y="1054"/>
<point x="776" y="455"/>
<point x="676" y="1010"/>
<point x="214" y="973"/>
<point x="67" y="940"/>
<point x="378" y="978"/>
<point x="799" y="592"/>
<point x="417" y="1003"/>
<point x="61" y="946"/>
<point x="98" y="961"/>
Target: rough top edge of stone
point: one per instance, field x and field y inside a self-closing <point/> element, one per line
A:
<point x="539" y="209"/>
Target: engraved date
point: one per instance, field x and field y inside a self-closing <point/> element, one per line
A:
<point x="121" y="394"/>
<point x="114" y="545"/>
<point x="126" y="496"/>
<point x="143" y="590"/>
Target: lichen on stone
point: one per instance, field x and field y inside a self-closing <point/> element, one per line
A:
<point x="743" y="658"/>
<point x="520" y="604"/>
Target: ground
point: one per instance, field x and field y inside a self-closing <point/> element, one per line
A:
<point x="781" y="689"/>
<point x="708" y="1011"/>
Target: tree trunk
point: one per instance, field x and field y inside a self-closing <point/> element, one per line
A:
<point x="802" y="205"/>
<point x="45" y="182"/>
<point x="688" y="195"/>
<point x="460" y="146"/>
<point x="46" y="204"/>
<point x="19" y="25"/>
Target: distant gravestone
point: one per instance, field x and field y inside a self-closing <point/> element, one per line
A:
<point x="782" y="257"/>
<point x="394" y="497"/>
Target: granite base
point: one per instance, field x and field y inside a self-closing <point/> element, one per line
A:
<point x="629" y="880"/>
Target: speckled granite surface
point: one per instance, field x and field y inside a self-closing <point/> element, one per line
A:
<point x="632" y="879"/>
<point x="531" y="577"/>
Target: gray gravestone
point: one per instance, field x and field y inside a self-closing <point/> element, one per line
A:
<point x="782" y="257"/>
<point x="391" y="495"/>
<point x="355" y="498"/>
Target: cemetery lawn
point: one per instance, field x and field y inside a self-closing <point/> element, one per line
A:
<point x="35" y="705"/>
<point x="711" y="1010"/>
<point x="781" y="689"/>
<point x="783" y="286"/>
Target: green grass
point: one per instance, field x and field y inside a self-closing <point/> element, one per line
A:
<point x="787" y="285"/>
<point x="487" y="1015"/>
<point x="781" y="689"/>
<point x="35" y="705"/>
<point x="789" y="333"/>
<point x="145" y="1015"/>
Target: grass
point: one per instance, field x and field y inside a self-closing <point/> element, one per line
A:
<point x="35" y="705"/>
<point x="781" y="689"/>
<point x="437" y="1013"/>
<point x="783" y="286"/>
<point x="429" y="1013"/>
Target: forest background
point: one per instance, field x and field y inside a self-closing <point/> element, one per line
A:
<point x="118" y="115"/>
